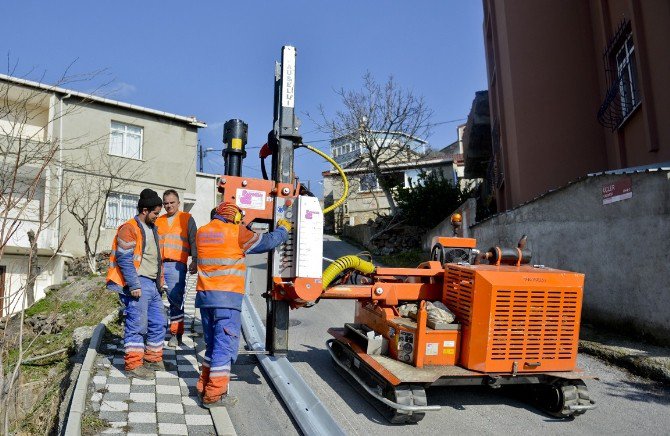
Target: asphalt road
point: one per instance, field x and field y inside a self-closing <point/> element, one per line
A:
<point x="626" y="404"/>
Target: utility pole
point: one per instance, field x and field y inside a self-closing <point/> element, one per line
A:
<point x="201" y="155"/>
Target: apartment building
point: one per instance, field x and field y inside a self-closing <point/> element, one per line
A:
<point x="575" y="87"/>
<point x="91" y="138"/>
<point x="366" y="199"/>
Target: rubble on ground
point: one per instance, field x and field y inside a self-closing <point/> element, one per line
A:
<point x="391" y="238"/>
<point x="78" y="266"/>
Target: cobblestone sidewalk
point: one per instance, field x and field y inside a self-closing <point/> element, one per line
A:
<point x="167" y="405"/>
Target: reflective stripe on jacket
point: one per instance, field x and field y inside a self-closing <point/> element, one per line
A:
<point x="122" y="248"/>
<point x="220" y="258"/>
<point x="173" y="239"/>
<point x="124" y="261"/>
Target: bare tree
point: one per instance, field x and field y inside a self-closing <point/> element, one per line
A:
<point x="385" y="122"/>
<point x="31" y="193"/>
<point x="28" y="175"/>
<point x="89" y="189"/>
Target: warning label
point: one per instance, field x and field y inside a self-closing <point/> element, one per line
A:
<point x="250" y="199"/>
<point x="431" y="349"/>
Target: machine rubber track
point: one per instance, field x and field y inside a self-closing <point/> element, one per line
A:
<point x="406" y="394"/>
<point x="564" y="398"/>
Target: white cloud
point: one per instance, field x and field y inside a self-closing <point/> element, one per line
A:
<point x="122" y="89"/>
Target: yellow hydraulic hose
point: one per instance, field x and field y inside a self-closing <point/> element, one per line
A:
<point x="343" y="263"/>
<point x="339" y="169"/>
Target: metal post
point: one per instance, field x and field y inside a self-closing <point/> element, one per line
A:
<point x="201" y="154"/>
<point x="235" y="138"/>
<point x="285" y="130"/>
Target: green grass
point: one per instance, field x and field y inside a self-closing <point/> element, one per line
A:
<point x="45" y="305"/>
<point x="91" y="424"/>
<point x="85" y="310"/>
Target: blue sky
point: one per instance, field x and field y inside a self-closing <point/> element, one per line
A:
<point x="215" y="59"/>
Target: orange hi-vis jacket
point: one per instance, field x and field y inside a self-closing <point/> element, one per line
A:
<point x="173" y="239"/>
<point x="220" y="258"/>
<point x="114" y="272"/>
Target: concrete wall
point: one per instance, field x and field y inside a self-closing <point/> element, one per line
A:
<point x="622" y="247"/>
<point x="360" y="233"/>
<point x="206" y="197"/>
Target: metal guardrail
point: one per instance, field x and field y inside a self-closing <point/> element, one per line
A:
<point x="308" y="411"/>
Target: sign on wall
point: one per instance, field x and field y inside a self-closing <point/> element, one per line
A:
<point x="617" y="191"/>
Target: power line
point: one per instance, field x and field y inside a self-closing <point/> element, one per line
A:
<point x="447" y="122"/>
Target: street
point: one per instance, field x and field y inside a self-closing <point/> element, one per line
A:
<point x="626" y="404"/>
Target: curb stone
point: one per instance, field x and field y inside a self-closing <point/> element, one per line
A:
<point x="638" y="362"/>
<point x="78" y="401"/>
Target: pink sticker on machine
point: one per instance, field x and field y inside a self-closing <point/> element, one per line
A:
<point x="309" y="214"/>
<point x="250" y="199"/>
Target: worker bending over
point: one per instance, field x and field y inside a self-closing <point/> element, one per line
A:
<point x="135" y="273"/>
<point x="176" y="230"/>
<point x="222" y="245"/>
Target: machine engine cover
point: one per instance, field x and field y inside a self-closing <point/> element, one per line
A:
<point x="515" y="319"/>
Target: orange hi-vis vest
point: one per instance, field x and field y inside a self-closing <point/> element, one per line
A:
<point x="173" y="239"/>
<point x="220" y="258"/>
<point x="114" y="272"/>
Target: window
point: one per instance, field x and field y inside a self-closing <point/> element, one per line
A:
<point x="368" y="182"/>
<point x="125" y="140"/>
<point x="625" y="66"/>
<point x="120" y="208"/>
<point x="623" y="93"/>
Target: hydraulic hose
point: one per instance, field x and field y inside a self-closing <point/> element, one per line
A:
<point x="339" y="169"/>
<point x="344" y="263"/>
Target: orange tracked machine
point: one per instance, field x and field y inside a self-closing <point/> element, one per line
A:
<point x="507" y="322"/>
<point x="463" y="318"/>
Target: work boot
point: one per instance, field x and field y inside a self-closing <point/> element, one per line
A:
<point x="155" y="366"/>
<point x="141" y="372"/>
<point x="225" y="401"/>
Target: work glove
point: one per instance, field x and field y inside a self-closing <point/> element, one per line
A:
<point x="193" y="267"/>
<point x="285" y="224"/>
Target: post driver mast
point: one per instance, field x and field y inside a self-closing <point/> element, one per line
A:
<point x="294" y="268"/>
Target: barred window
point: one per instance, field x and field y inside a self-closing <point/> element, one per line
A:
<point x="625" y="66"/>
<point x="623" y="93"/>
<point x="120" y="208"/>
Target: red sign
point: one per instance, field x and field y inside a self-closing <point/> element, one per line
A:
<point x="617" y="191"/>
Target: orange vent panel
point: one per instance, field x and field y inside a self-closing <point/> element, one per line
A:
<point x="515" y="318"/>
<point x="458" y="298"/>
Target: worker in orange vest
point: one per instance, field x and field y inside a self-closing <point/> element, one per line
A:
<point x="176" y="230"/>
<point x="222" y="245"/>
<point x="135" y="274"/>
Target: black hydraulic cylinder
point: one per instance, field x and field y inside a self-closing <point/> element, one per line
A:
<point x="235" y="138"/>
